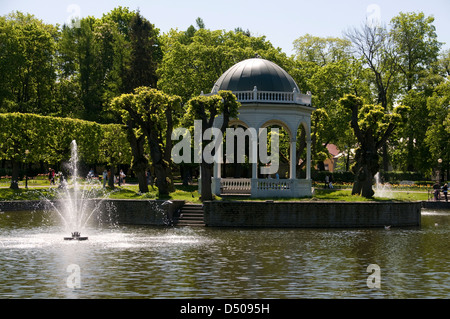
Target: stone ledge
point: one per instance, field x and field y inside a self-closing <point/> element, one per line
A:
<point x="312" y="214"/>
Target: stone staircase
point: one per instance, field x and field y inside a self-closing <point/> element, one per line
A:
<point x="190" y="215"/>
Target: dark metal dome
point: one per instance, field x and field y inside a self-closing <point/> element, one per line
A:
<point x="264" y="74"/>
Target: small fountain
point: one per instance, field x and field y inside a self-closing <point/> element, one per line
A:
<point x="75" y="199"/>
<point x="75" y="236"/>
<point x="382" y="189"/>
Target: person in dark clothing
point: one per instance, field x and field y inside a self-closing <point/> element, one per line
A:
<point x="445" y="191"/>
<point x="436" y="190"/>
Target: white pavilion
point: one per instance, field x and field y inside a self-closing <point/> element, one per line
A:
<point x="269" y="96"/>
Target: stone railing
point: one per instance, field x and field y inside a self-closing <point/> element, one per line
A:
<point x="236" y="185"/>
<point x="273" y="97"/>
<point x="274" y="185"/>
<point x="256" y="96"/>
<point x="263" y="187"/>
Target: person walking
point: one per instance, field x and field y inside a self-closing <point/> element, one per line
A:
<point x="105" y="177"/>
<point x="436" y="190"/>
<point x="445" y="191"/>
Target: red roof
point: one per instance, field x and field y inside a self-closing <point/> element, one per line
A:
<point x="333" y="150"/>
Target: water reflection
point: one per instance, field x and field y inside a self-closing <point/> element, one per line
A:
<point x="138" y="262"/>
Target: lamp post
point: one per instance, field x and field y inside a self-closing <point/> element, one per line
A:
<point x="26" y="168"/>
<point x="439" y="169"/>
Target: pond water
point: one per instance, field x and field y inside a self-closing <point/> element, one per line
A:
<point x="158" y="262"/>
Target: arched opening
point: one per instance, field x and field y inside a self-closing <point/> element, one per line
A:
<point x="237" y="160"/>
<point x="284" y="149"/>
<point x="301" y="150"/>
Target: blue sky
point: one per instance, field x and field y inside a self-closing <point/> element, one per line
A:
<point x="280" y="21"/>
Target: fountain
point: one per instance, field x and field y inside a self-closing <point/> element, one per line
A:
<point x="382" y="189"/>
<point x="75" y="236"/>
<point x="75" y="204"/>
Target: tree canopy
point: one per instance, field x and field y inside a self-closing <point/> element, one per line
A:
<point x="77" y="70"/>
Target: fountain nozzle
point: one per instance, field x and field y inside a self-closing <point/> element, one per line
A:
<point x="75" y="236"/>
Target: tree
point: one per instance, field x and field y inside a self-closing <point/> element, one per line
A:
<point x="193" y="64"/>
<point x="373" y="45"/>
<point x="325" y="67"/>
<point x="28" y="136"/>
<point x="26" y="64"/>
<point x="79" y="57"/>
<point x="149" y="112"/>
<point x="416" y="44"/>
<point x="415" y="40"/>
<point x="372" y="127"/>
<point x="145" y="53"/>
<point x="207" y="108"/>
<point x="125" y="105"/>
<point x="438" y="132"/>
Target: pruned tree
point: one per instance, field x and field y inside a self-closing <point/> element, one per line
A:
<point x="372" y="127"/>
<point x="373" y="45"/>
<point x="206" y="109"/>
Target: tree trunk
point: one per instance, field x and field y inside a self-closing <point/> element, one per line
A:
<point x="206" y="182"/>
<point x="161" y="179"/>
<point x="15" y="175"/>
<point x="363" y="183"/>
<point x="111" y="177"/>
<point x="140" y="162"/>
<point x="366" y="187"/>
<point x="158" y="162"/>
<point x="142" y="180"/>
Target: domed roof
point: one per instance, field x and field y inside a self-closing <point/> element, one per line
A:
<point x="264" y="74"/>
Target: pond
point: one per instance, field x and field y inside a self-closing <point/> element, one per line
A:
<point x="120" y="261"/>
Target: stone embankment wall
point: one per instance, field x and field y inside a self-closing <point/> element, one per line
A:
<point x="254" y="213"/>
<point x="312" y="214"/>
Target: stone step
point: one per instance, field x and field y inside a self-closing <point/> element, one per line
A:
<point x="190" y="215"/>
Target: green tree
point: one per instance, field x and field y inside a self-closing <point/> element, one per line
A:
<point x="149" y="112"/>
<point x="374" y="46"/>
<point x="26" y="64"/>
<point x="145" y="53"/>
<point x="192" y="65"/>
<point x="94" y="64"/>
<point x="206" y="109"/>
<point x="417" y="47"/>
<point x="28" y="136"/>
<point x="81" y="63"/>
<point x="438" y="133"/>
<point x="372" y="127"/>
<point x="326" y="67"/>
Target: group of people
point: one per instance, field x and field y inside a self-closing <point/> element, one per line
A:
<point x="437" y="189"/>
<point x="52" y="175"/>
<point x="119" y="179"/>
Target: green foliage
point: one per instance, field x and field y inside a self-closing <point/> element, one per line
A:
<point x="34" y="138"/>
<point x="193" y="64"/>
<point x="76" y="72"/>
<point x="438" y="132"/>
<point x="27" y="70"/>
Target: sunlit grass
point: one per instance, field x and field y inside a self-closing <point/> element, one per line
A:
<point x="190" y="194"/>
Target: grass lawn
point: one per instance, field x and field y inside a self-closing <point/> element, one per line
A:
<point x="190" y="194"/>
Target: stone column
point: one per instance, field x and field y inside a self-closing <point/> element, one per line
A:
<point x="308" y="158"/>
<point x="217" y="171"/>
<point x="293" y="159"/>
